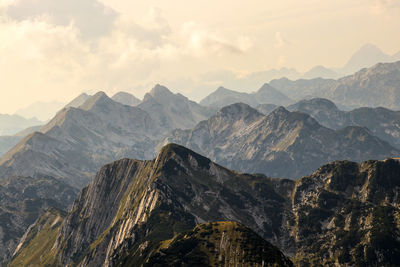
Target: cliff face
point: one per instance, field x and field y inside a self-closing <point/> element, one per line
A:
<point x="348" y="213"/>
<point x="142" y="212"/>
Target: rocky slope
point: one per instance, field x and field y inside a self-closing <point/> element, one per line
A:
<point x="23" y="200"/>
<point x="144" y="212"/>
<point x="382" y="122"/>
<point x="265" y="95"/>
<point x="77" y="141"/>
<point x="217" y="244"/>
<point x="282" y="144"/>
<point x="149" y="202"/>
<point x="173" y="111"/>
<point x="126" y="99"/>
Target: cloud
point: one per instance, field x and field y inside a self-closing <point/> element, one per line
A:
<point x="91" y="17"/>
<point x="379" y="7"/>
<point x="200" y="41"/>
<point x="280" y="41"/>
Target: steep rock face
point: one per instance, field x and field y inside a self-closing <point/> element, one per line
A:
<point x="151" y="201"/>
<point x="282" y="144"/>
<point x="38" y="239"/>
<point x="23" y="200"/>
<point x="173" y="111"/>
<point x="75" y="143"/>
<point x="348" y="214"/>
<point x="142" y="212"/>
<point x="265" y="95"/>
<point x="382" y="122"/>
<point x="218" y="244"/>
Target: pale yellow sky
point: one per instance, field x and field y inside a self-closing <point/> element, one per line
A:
<point x="84" y="45"/>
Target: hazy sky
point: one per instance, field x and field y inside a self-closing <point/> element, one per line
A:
<point x="56" y="49"/>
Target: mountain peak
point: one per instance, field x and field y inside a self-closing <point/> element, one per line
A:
<point x="172" y="150"/>
<point x="266" y="87"/>
<point x="160" y="90"/>
<point x="78" y="101"/>
<point x="98" y="98"/>
<point x="280" y="111"/>
<point x="126" y="98"/>
<point x="238" y="110"/>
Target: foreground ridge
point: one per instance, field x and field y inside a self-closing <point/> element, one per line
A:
<point x="142" y="212"/>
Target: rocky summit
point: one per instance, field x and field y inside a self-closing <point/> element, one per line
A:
<point x="144" y="213"/>
<point x="281" y="144"/>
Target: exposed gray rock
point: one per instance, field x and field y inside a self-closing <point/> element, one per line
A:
<point x="282" y="144"/>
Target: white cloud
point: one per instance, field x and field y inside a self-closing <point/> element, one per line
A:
<point x="280" y="41"/>
<point x="379" y="7"/>
<point x="91" y="17"/>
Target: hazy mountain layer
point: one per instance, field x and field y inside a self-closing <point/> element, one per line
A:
<point x="265" y="95"/>
<point x="376" y="86"/>
<point x="12" y="124"/>
<point x="382" y="122"/>
<point x="79" y="140"/>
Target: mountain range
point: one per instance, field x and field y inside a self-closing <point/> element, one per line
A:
<point x="382" y="122"/>
<point x="281" y="144"/>
<point x="144" y="213"/>
<point x="265" y="95"/>
<point x="93" y="130"/>
<point x="12" y="124"/>
<point x="377" y="86"/>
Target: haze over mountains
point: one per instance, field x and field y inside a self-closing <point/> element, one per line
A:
<point x="12" y="124"/>
<point x="153" y="206"/>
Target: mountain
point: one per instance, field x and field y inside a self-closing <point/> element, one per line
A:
<point x="9" y="141"/>
<point x="218" y="243"/>
<point x="281" y="144"/>
<point x="266" y="108"/>
<point x="138" y="205"/>
<point x="41" y="110"/>
<point x="78" y="101"/>
<point x="265" y="95"/>
<point x="223" y="97"/>
<point x="12" y="124"/>
<point x="382" y="122"/>
<point x="301" y="89"/>
<point x="320" y="72"/>
<point x="23" y="200"/>
<point x="173" y="111"/>
<point x="77" y="141"/>
<point x="144" y="213"/>
<point x="367" y="56"/>
<point x="378" y="86"/>
<point x="126" y="99"/>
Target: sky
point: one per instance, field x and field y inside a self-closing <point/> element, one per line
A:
<point x="54" y="50"/>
